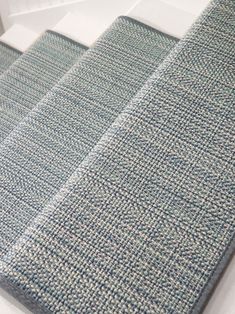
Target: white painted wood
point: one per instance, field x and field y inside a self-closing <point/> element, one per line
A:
<point x="19" y="37"/>
<point x="9" y="305"/>
<point x="171" y="17"/>
<point x="35" y="14"/>
<point x="223" y="298"/>
<point x="92" y="19"/>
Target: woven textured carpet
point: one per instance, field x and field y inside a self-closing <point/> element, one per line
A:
<point x="147" y="221"/>
<point x="25" y="83"/>
<point x="8" y="55"/>
<point x="40" y="154"/>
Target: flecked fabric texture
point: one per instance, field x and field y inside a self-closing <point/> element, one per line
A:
<point x="40" y="155"/>
<point x="32" y="75"/>
<point x="143" y="223"/>
<point x="8" y="55"/>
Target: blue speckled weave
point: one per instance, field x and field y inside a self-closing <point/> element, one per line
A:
<point x="32" y="75"/>
<point x="40" y="154"/>
<point x="144" y="222"/>
<point x="8" y="55"/>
